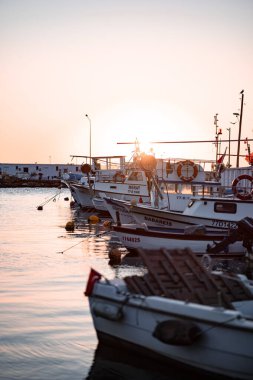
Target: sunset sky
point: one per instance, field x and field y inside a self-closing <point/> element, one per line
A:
<point x="155" y="70"/>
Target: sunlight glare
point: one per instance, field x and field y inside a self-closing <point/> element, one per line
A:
<point x="152" y="121"/>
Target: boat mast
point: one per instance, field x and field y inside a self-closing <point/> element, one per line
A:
<point x="240" y="128"/>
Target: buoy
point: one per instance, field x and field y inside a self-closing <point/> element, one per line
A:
<point x="107" y="223"/>
<point x="40" y="208"/>
<point x="66" y="198"/>
<point x="115" y="256"/>
<point x="70" y="226"/>
<point x="93" y="219"/>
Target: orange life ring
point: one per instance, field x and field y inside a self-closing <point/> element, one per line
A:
<point x="194" y="169"/>
<point x="245" y="196"/>
<point x="119" y="177"/>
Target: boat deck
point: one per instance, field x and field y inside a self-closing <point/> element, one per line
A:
<point x="179" y="274"/>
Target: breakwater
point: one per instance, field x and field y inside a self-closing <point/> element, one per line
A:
<point x="11" y="181"/>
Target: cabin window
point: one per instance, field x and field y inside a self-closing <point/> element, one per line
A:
<point x="169" y="188"/>
<point x="135" y="176"/>
<point x="223" y="207"/>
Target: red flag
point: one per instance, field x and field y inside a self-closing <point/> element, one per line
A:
<point x="220" y="160"/>
<point x="94" y="276"/>
<point x="249" y="158"/>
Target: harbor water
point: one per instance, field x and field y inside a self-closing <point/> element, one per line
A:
<point x="45" y="322"/>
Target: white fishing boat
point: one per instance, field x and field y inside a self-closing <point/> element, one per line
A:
<point x="197" y="237"/>
<point x="158" y="182"/>
<point x="213" y="212"/>
<point x="120" y="180"/>
<point x="178" y="313"/>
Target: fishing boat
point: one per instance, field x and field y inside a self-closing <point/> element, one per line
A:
<point x="212" y="212"/>
<point x="120" y="180"/>
<point x="177" y="313"/>
<point x="197" y="237"/>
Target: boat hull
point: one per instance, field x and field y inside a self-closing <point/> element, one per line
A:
<point x="155" y="217"/>
<point x="231" y="356"/>
<point x="134" y="237"/>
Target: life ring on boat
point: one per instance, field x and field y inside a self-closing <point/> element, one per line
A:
<point x="246" y="195"/>
<point x="193" y="167"/>
<point x="119" y="177"/>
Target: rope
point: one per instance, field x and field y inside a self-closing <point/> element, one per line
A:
<point x="49" y="199"/>
<point x="87" y="236"/>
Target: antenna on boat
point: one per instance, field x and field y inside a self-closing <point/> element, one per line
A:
<point x="240" y="128"/>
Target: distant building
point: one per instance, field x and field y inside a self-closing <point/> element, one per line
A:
<point x="38" y="171"/>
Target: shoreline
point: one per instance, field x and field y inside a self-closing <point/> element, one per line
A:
<point x="17" y="182"/>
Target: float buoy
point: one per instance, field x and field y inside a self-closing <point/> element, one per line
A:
<point x="107" y="223"/>
<point x="70" y="226"/>
<point x="115" y="256"/>
<point x="93" y="219"/>
<point x="246" y="195"/>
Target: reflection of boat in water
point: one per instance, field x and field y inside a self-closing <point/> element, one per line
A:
<point x="114" y="364"/>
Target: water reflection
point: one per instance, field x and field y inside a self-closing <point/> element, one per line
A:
<point x="116" y="364"/>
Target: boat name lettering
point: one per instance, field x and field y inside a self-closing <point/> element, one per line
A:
<point x="131" y="239"/>
<point x="159" y="221"/>
<point x="134" y="189"/>
<point x="183" y="197"/>
<point x="223" y="224"/>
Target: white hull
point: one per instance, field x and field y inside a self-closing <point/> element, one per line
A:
<point x="225" y="347"/>
<point x="134" y="237"/>
<point x="201" y="212"/>
<point x="85" y="195"/>
<point x="119" y="209"/>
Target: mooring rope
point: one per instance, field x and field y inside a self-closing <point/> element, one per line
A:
<point x="49" y="199"/>
<point x="87" y="236"/>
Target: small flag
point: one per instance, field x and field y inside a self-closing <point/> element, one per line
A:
<point x="94" y="276"/>
<point x="220" y="160"/>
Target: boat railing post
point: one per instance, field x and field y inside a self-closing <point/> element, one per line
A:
<point x="118" y="219"/>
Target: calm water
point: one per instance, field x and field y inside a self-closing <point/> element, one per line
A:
<point x="46" y="330"/>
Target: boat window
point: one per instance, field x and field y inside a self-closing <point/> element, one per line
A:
<point x="135" y="176"/>
<point x="168" y="188"/>
<point x="186" y="188"/>
<point x="223" y="207"/>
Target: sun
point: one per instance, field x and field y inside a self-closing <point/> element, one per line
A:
<point x="146" y="122"/>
